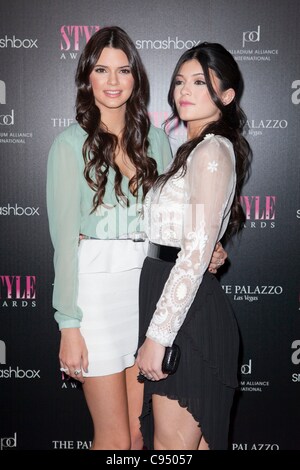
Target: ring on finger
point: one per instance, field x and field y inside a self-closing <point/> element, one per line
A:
<point x="77" y="372"/>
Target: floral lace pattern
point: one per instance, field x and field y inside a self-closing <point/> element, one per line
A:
<point x="190" y="212"/>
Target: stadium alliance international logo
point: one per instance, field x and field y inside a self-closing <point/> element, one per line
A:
<point x="251" y="385"/>
<point x="260" y="211"/>
<point x="251" y="51"/>
<point x="296" y="94"/>
<point x="17" y="291"/>
<point x="7" y="119"/>
<point x="74" y="38"/>
<point x="295" y="358"/>
<point x="8" y="442"/>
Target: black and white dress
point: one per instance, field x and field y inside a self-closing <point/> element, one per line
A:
<point x="182" y="301"/>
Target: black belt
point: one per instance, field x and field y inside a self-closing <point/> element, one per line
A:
<point x="163" y="252"/>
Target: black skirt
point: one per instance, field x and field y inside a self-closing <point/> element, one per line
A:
<point x="206" y="378"/>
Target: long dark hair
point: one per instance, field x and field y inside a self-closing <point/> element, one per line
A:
<point x="100" y="145"/>
<point x="213" y="56"/>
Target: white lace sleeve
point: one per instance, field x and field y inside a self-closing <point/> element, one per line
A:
<point x="209" y="188"/>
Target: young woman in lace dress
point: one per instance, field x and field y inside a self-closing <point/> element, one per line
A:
<point x="189" y="209"/>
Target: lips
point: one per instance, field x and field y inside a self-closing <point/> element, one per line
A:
<point x="113" y="93"/>
<point x="185" y="103"/>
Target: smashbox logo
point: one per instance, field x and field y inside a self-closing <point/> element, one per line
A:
<point x="296" y="94"/>
<point x="18" y="210"/>
<point x="16" y="43"/>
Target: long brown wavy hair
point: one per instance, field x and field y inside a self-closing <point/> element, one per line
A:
<point x="213" y="56"/>
<point x="100" y="146"/>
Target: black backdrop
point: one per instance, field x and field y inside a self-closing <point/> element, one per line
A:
<point x="40" y="42"/>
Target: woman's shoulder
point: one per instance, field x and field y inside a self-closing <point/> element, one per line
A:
<point x="212" y="143"/>
<point x="73" y="134"/>
<point x="156" y="133"/>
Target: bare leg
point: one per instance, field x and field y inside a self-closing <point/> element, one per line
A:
<point x="203" y="444"/>
<point x="135" y="391"/>
<point x="106" y="398"/>
<point x="175" y="428"/>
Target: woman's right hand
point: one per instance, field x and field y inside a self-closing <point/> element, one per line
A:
<point x="73" y="353"/>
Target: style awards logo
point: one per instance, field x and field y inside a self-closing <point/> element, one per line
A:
<point x="296" y="94"/>
<point x="251" y="49"/>
<point x="74" y="38"/>
<point x="248" y="384"/>
<point x="7" y="119"/>
<point x="260" y="211"/>
<point x="17" y="291"/>
<point x="295" y="358"/>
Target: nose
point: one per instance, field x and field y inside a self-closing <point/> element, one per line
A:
<point x="185" y="89"/>
<point x="113" y="78"/>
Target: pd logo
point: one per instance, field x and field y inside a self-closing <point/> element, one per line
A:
<point x="246" y="369"/>
<point x="251" y="36"/>
<point x="8" y="442"/>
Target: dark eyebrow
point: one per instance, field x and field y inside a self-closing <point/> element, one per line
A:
<point x="194" y="74"/>
<point x="106" y="66"/>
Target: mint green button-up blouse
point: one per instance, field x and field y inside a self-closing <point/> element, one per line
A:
<point x="69" y="205"/>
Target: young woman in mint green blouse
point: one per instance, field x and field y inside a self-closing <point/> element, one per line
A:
<point x="99" y="171"/>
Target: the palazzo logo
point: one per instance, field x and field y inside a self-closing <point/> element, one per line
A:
<point x="296" y="94"/>
<point x="257" y="127"/>
<point x="251" y="50"/>
<point x="17" y="291"/>
<point x="251" y="293"/>
<point x="259" y="210"/>
<point x="74" y="38"/>
<point x="295" y="358"/>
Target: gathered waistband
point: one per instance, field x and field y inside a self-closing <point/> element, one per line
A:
<point x="134" y="236"/>
<point x="163" y="252"/>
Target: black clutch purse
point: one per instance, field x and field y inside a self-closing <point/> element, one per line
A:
<point x="170" y="362"/>
<point x="171" y="359"/>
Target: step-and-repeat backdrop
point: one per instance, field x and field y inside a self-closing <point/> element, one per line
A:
<point x="40" y="43"/>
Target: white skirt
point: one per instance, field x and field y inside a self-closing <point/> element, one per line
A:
<point x="108" y="284"/>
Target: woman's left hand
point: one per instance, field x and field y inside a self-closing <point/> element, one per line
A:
<point x="149" y="360"/>
<point x="218" y="258"/>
